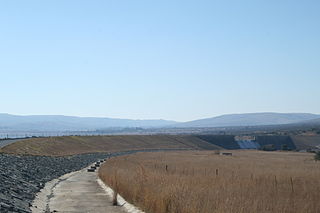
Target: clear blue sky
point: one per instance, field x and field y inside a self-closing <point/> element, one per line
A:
<point x="179" y="60"/>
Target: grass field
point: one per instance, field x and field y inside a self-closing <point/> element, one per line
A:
<point x="205" y="182"/>
<point x="69" y="145"/>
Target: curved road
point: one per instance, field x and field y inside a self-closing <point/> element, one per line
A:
<point x="75" y="192"/>
<point x="8" y="141"/>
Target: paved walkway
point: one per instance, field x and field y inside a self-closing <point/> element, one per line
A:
<point x="8" y="141"/>
<point x="75" y="192"/>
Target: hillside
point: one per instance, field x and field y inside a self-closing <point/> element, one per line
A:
<point x="306" y="142"/>
<point x="311" y="122"/>
<point x="250" y="119"/>
<point x="69" y="145"/>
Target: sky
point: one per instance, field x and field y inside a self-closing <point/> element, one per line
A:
<point x="170" y="59"/>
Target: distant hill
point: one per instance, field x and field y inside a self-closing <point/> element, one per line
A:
<point x="251" y="119"/>
<point x="70" y="123"/>
<point x="56" y="123"/>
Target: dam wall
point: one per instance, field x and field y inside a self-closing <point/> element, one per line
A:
<point x="277" y="141"/>
<point x="230" y="142"/>
<point x="248" y="144"/>
<point x="224" y="141"/>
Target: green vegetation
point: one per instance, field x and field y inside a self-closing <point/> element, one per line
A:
<point x="317" y="156"/>
<point x="284" y="147"/>
<point x="269" y="147"/>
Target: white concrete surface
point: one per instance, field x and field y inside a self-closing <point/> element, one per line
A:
<point x="75" y="192"/>
<point x="3" y="143"/>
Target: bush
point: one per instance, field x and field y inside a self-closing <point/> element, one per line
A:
<point x="269" y="147"/>
<point x="284" y="147"/>
<point x="317" y="156"/>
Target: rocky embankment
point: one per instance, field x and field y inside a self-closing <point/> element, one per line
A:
<point x="21" y="177"/>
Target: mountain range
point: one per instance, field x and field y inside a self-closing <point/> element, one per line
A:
<point x="252" y="119"/>
<point x="71" y="123"/>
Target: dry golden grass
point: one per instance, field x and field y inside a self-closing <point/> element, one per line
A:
<point x="70" y="145"/>
<point x="204" y="182"/>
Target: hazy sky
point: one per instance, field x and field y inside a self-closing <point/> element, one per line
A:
<point x="169" y="59"/>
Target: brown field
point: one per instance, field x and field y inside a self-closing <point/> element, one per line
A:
<point x="204" y="182"/>
<point x="70" y="145"/>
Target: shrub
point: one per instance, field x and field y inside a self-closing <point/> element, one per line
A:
<point x="269" y="147"/>
<point x="317" y="156"/>
<point x="284" y="147"/>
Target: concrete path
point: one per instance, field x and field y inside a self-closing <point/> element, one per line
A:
<point x="8" y="141"/>
<point x="75" y="192"/>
